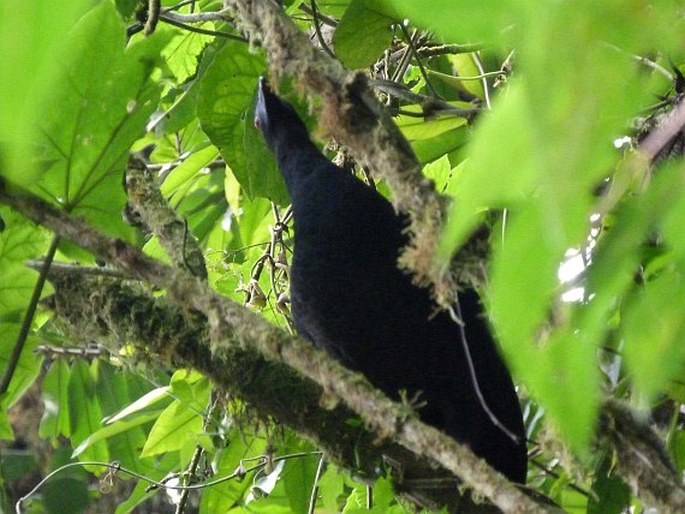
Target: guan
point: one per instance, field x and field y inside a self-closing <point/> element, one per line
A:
<point x="349" y="298"/>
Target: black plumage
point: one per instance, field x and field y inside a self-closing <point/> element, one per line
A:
<point x="349" y="297"/>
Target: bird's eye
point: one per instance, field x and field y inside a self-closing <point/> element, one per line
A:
<point x="257" y="123"/>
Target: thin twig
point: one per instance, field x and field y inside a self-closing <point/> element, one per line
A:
<point x="199" y="17"/>
<point x="153" y="11"/>
<point x="315" y="488"/>
<point x="437" y="105"/>
<point x="68" y="267"/>
<point x="191" y="469"/>
<point x="410" y="42"/>
<point x="549" y="471"/>
<point x="325" y="19"/>
<point x="644" y="61"/>
<point x="431" y="51"/>
<point x="317" y="30"/>
<point x="240" y="472"/>
<point x="486" y="92"/>
<point x="171" y="21"/>
<point x="402" y="66"/>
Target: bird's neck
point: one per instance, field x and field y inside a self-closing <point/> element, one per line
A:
<point x="297" y="161"/>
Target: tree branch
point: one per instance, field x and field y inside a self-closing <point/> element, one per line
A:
<point x="146" y="200"/>
<point x="246" y="344"/>
<point x="642" y="458"/>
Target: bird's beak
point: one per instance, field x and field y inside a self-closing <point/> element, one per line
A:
<point x="260" y="113"/>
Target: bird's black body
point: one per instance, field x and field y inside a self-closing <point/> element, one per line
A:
<point x="349" y="297"/>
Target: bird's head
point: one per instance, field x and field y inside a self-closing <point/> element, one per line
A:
<point x="277" y="120"/>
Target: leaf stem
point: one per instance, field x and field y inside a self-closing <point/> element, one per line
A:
<point x="28" y="318"/>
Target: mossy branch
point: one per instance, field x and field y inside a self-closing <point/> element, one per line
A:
<point x="236" y="335"/>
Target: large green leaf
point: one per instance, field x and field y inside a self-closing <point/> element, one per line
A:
<point x="502" y="167"/>
<point x="183" y="51"/>
<point x="540" y="153"/>
<point x="31" y="36"/>
<point x="433" y="138"/>
<point x="457" y="21"/>
<point x="653" y="329"/>
<point x="226" y="111"/>
<point x="227" y="460"/>
<point x="104" y="98"/>
<point x="181" y="422"/>
<point x="361" y="23"/>
<point x="112" y="388"/>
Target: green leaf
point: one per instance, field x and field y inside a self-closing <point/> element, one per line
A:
<point x="428" y="150"/>
<point x="188" y="169"/>
<point x="433" y="138"/>
<point x="183" y="51"/>
<point x="565" y="379"/>
<point x="261" y="164"/>
<point x="612" y="495"/>
<point x="19" y="242"/>
<point x="181" y="422"/>
<point x="524" y="276"/>
<point x="298" y="480"/>
<point x="68" y="490"/>
<point x="496" y="174"/>
<point x="27" y="368"/>
<point x="361" y="23"/>
<point x="227" y="460"/>
<point x="415" y="128"/>
<point x="172" y="429"/>
<point x="225" y="109"/>
<point x="617" y="255"/>
<point x="653" y="328"/>
<point x="334" y="8"/>
<point x="356" y="500"/>
<point x="56" y="420"/>
<point x="331" y="488"/>
<point x="124" y="439"/>
<point x="672" y="227"/>
<point x="86" y="414"/>
<point x="31" y="36"/>
<point x="439" y="172"/>
<point x="126" y="7"/>
<point x="6" y="431"/>
<point x="104" y="99"/>
<point x="142" y="405"/>
<point x="457" y="21"/>
<point x="561" y="372"/>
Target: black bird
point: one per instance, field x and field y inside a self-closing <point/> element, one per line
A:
<point x="350" y="298"/>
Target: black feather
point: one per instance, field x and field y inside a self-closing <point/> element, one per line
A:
<point x="349" y="297"/>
